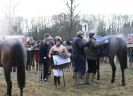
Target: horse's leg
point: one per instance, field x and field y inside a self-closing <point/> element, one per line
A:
<point x="122" y="61"/>
<point x="123" y="77"/>
<point x="21" y="92"/>
<point x="8" y="81"/>
<point x="98" y="68"/>
<point x="111" y="60"/>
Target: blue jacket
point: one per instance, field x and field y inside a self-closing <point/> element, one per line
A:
<point x="78" y="45"/>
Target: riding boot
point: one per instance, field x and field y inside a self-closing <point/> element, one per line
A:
<point x="74" y="74"/>
<point x="77" y="80"/>
<point x="55" y="81"/>
<point x="87" y="78"/>
<point x="59" y="81"/>
<point x="91" y="79"/>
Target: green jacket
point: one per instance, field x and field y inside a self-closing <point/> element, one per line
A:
<point x="91" y="50"/>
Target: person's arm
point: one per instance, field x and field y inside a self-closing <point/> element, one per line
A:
<point x="83" y="44"/>
<point x="35" y="45"/>
<point x="53" y="52"/>
<point x="64" y="51"/>
<point x="88" y="43"/>
<point x="80" y="43"/>
<point x="50" y="52"/>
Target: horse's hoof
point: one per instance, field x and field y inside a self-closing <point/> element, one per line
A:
<point x="123" y="84"/>
<point x="112" y="81"/>
<point x="98" y="78"/>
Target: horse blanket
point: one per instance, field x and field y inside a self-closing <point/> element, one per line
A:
<point x="104" y="49"/>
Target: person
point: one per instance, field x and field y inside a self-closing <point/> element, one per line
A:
<point x="91" y="56"/>
<point x="44" y="47"/>
<point x="57" y="49"/>
<point x="37" y="54"/>
<point x="68" y="45"/>
<point x="130" y="55"/>
<point x="30" y="54"/>
<point x="78" y="45"/>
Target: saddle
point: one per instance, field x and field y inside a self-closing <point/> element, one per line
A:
<point x="103" y="50"/>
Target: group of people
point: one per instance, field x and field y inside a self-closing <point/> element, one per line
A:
<point x="48" y="47"/>
<point x="81" y="51"/>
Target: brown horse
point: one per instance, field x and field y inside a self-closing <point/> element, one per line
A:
<point x="116" y="46"/>
<point x="12" y="53"/>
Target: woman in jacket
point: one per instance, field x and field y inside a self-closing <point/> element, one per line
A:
<point x="57" y="49"/>
<point x="91" y="56"/>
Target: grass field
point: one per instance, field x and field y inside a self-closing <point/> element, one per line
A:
<point x="34" y="87"/>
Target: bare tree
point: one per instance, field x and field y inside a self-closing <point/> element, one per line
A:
<point x="72" y="6"/>
<point x="11" y="19"/>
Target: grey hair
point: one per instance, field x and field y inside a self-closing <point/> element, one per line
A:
<point x="80" y="33"/>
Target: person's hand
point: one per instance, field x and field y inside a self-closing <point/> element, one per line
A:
<point x="56" y="52"/>
<point x="49" y="56"/>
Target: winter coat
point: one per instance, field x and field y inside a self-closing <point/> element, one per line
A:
<point x="78" y="45"/>
<point x="44" y="50"/>
<point x="91" y="51"/>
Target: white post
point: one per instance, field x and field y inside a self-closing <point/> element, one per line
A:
<point x="85" y="29"/>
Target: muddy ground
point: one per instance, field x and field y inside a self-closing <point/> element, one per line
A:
<point x="35" y="87"/>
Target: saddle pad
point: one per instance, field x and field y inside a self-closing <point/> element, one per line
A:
<point x="102" y="40"/>
<point x="104" y="49"/>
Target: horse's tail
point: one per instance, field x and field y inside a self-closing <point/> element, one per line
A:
<point x="124" y="58"/>
<point x="20" y="60"/>
<point x="123" y="53"/>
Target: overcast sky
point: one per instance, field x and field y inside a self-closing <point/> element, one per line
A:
<point x="31" y="8"/>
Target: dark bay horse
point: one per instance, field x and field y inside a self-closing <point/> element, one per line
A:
<point x="12" y="53"/>
<point x="117" y="46"/>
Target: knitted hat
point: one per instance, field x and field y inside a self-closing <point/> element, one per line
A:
<point x="91" y="35"/>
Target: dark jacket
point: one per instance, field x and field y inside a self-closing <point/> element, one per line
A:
<point x="44" y="51"/>
<point x="78" y="45"/>
<point x="91" y="50"/>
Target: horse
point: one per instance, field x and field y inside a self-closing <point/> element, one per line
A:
<point x="116" y="46"/>
<point x="13" y="53"/>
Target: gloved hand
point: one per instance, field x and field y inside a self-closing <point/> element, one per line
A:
<point x="56" y="53"/>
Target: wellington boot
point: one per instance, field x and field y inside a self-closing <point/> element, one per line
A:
<point x="59" y="81"/>
<point x="79" y="79"/>
<point x="87" y="78"/>
<point x="91" y="79"/>
<point x="74" y="74"/>
<point x="55" y="80"/>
